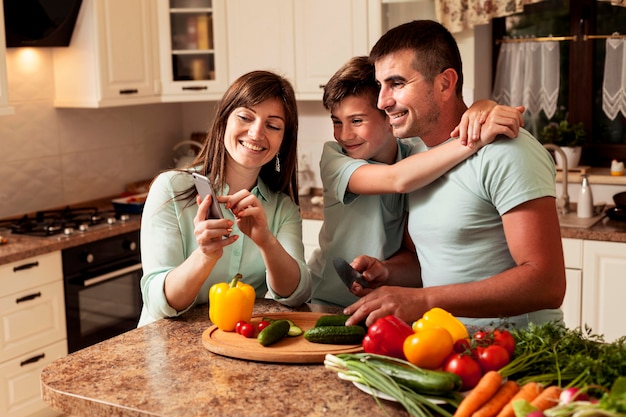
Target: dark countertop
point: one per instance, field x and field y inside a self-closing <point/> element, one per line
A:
<point x="163" y="369"/>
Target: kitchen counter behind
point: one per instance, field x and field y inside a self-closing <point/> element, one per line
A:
<point x="163" y="369"/>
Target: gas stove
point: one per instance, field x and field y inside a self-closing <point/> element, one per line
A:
<point x="65" y="221"/>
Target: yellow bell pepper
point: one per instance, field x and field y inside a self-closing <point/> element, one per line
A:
<point x="438" y="317"/>
<point x="230" y="303"/>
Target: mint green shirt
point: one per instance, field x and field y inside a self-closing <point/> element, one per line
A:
<point x="456" y="221"/>
<point x="353" y="224"/>
<point x="167" y="239"/>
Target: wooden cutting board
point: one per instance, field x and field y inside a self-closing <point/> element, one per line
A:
<point x="288" y="350"/>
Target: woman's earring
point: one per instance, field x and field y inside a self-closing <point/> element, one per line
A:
<point x="277" y="167"/>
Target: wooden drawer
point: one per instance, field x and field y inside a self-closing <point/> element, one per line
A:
<point x="30" y="319"/>
<point x="31" y="272"/>
<point x="20" y="392"/>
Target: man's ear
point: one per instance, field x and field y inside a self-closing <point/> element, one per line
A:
<point x="445" y="83"/>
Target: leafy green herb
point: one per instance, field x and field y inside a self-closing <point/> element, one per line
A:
<point x="550" y="353"/>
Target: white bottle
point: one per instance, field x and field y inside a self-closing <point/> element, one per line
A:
<point x="585" y="199"/>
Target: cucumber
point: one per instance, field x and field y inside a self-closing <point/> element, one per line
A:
<point x="332" y="320"/>
<point x="276" y="330"/>
<point x="335" y="335"/>
<point x="422" y="381"/>
<point x="294" y="329"/>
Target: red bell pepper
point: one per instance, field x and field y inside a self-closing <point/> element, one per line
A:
<point x="386" y="337"/>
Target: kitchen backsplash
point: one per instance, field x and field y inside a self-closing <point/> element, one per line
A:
<point x="52" y="157"/>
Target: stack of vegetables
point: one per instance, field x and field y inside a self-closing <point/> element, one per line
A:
<point x="542" y="371"/>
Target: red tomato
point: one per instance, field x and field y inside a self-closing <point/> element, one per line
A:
<point x="247" y="330"/>
<point x="262" y="325"/>
<point x="462" y="346"/>
<point x="504" y="339"/>
<point x="492" y="357"/>
<point x="465" y="367"/>
<point x="238" y="326"/>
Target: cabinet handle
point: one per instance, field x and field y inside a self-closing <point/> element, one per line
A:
<point x="197" y="88"/>
<point x="322" y="86"/>
<point x="26" y="266"/>
<point x="27" y="297"/>
<point x="33" y="359"/>
<point x="130" y="91"/>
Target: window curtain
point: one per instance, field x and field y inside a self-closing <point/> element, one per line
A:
<point x="614" y="84"/>
<point x="458" y="15"/>
<point x="527" y="73"/>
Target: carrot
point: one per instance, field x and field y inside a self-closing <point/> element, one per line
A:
<point x="493" y="406"/>
<point x="548" y="398"/>
<point x="528" y="392"/>
<point x="486" y="388"/>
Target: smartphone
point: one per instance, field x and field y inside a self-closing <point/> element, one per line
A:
<point x="203" y="185"/>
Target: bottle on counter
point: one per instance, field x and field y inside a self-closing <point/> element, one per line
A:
<point x="585" y="199"/>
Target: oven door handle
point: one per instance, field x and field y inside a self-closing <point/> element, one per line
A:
<point x="96" y="280"/>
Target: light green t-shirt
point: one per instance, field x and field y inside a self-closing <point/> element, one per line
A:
<point x="353" y="224"/>
<point x="455" y="222"/>
<point x="167" y="239"/>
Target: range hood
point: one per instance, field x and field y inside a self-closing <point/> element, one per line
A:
<point x="40" y="23"/>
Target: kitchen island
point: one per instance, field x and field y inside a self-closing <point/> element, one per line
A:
<point x="163" y="369"/>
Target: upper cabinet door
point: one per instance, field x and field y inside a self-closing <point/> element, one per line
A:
<point x="192" y="40"/>
<point x="327" y="33"/>
<point x="110" y="60"/>
<point x="260" y="37"/>
<point x="4" y="95"/>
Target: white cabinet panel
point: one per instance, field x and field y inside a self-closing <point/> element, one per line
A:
<point x="604" y="288"/>
<point x="310" y="236"/>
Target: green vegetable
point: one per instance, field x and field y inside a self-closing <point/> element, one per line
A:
<point x="550" y="353"/>
<point x="294" y="329"/>
<point x="274" y="332"/>
<point x="332" y="320"/>
<point x="335" y="335"/>
<point x="365" y="368"/>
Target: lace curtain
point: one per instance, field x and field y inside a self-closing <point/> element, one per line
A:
<point x="527" y="73"/>
<point x="458" y="15"/>
<point x="614" y="84"/>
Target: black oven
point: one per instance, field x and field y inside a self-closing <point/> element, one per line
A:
<point x="102" y="292"/>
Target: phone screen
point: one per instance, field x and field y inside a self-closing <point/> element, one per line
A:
<point x="203" y="185"/>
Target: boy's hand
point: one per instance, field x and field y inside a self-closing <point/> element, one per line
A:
<point x="485" y="120"/>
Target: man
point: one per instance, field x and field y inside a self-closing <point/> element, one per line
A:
<point x="486" y="233"/>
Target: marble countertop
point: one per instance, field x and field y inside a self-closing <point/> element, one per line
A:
<point x="163" y="369"/>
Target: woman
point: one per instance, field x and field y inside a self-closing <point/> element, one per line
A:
<point x="250" y="156"/>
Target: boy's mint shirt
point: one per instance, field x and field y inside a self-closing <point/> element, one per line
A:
<point x="353" y="224"/>
<point x="167" y="239"/>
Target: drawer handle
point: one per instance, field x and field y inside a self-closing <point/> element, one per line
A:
<point x="130" y="91"/>
<point x="33" y="359"/>
<point x="27" y="297"/>
<point x="197" y="88"/>
<point x="26" y="266"/>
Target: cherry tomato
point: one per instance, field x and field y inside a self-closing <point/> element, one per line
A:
<point x="238" y="326"/>
<point x="262" y="325"/>
<point x="462" y="346"/>
<point x="492" y="357"/>
<point x="465" y="367"/>
<point x="504" y="339"/>
<point x="428" y="348"/>
<point x="247" y="330"/>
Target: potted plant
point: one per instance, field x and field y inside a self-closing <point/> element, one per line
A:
<point x="568" y="137"/>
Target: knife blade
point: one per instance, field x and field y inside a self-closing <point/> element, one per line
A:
<point x="348" y="274"/>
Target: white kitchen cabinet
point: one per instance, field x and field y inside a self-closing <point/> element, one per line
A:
<point x="604" y="287"/>
<point x="193" y="51"/>
<point x="111" y="60"/>
<point x="4" y="93"/>
<point x="304" y="40"/>
<point x="572" y="303"/>
<point x="310" y="236"/>
<point x="32" y="331"/>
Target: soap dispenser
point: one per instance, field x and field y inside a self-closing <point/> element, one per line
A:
<point x="585" y="199"/>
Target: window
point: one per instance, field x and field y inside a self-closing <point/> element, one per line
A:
<point x="582" y="66"/>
